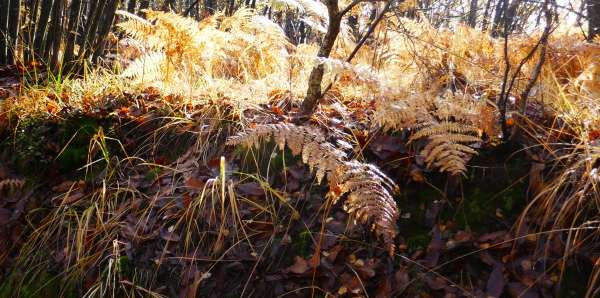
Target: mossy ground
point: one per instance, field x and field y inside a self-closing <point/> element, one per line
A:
<point x="495" y="182"/>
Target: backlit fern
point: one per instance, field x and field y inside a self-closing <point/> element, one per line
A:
<point x="369" y="191"/>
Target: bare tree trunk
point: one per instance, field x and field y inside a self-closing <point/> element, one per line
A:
<point x="4" y="12"/>
<point x="593" y="14"/>
<point x="72" y="31"/>
<point x="289" y="27"/>
<point x="56" y="37"/>
<point x="313" y="94"/>
<point x="210" y="6"/>
<point x="14" y="25"/>
<point x="29" y="31"/>
<point x="144" y="4"/>
<point x="496" y="25"/>
<point x="40" y="32"/>
<point x="302" y="29"/>
<point x="486" y="15"/>
<point x="472" y="20"/>
<point x="85" y="48"/>
<point x="107" y="23"/>
<point x="190" y="8"/>
<point x="131" y="6"/>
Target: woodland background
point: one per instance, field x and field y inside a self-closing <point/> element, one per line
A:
<point x="299" y="148"/>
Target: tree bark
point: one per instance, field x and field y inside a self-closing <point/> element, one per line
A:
<point x="472" y="20"/>
<point x="4" y="12"/>
<point x="313" y="94"/>
<point x="131" y="6"/>
<point x="593" y="14"/>
<point x="486" y="15"/>
<point x="12" y="35"/>
<point x="74" y="15"/>
<point x="29" y="31"/>
<point x="496" y="24"/>
<point x="56" y="36"/>
<point x="87" y="43"/>
<point x="210" y="6"/>
<point x="107" y="24"/>
<point x="169" y="5"/>
<point x="189" y="9"/>
<point x="144" y="4"/>
<point x="40" y="32"/>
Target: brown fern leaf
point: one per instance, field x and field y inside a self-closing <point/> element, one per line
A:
<point x="12" y="184"/>
<point x="369" y="191"/>
<point x="444" y="148"/>
<point x="411" y="112"/>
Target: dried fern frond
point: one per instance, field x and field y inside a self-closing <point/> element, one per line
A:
<point x="12" y="184"/>
<point x="447" y="122"/>
<point x="147" y="67"/>
<point x="368" y="189"/>
<point x="411" y="112"/>
<point x="444" y="148"/>
<point x="243" y="47"/>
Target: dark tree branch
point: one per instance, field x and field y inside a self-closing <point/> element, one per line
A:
<point x="314" y="92"/>
<point x="538" y="67"/>
<point x="189" y="9"/>
<point x="506" y="91"/>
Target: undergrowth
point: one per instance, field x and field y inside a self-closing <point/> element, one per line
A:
<point x="146" y="195"/>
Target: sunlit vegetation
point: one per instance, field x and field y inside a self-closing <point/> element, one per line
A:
<point x="299" y="148"/>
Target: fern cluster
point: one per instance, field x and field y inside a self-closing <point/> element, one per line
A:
<point x="449" y="123"/>
<point x="243" y="47"/>
<point x="369" y="191"/>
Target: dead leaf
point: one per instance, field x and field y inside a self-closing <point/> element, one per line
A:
<point x="385" y="288"/>
<point x="300" y="265"/>
<point x="491" y="236"/>
<point x="63" y="186"/>
<point x="72" y="197"/>
<point x="252" y="188"/>
<point x="517" y="289"/>
<point x="495" y="283"/>
<point x="195" y="183"/>
<point x="169" y="236"/>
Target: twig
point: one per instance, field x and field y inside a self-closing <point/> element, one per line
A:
<point x="538" y="67"/>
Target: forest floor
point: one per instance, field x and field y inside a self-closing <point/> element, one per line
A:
<point x="117" y="194"/>
<point x="184" y="168"/>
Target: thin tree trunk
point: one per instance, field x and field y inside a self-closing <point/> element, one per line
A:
<point x="91" y="29"/>
<point x="144" y="4"/>
<point x="302" y="29"/>
<point x="40" y="32"/>
<point x="472" y="20"/>
<point x="56" y="30"/>
<point x="289" y="27"/>
<point x="131" y="6"/>
<point x="168" y="5"/>
<point x="496" y="25"/>
<point x="72" y="31"/>
<point x="593" y="13"/>
<point x="313" y="94"/>
<point x="4" y="12"/>
<point x="107" y="23"/>
<point x="14" y="24"/>
<point x="486" y="15"/>
<point x="189" y="9"/>
<point x="28" y="33"/>
<point x="209" y="5"/>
